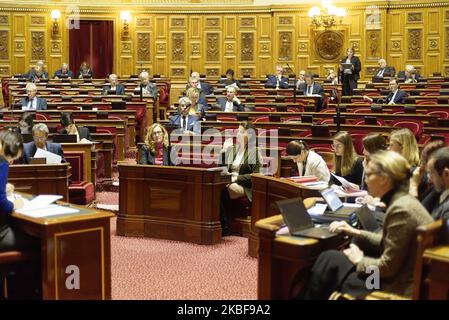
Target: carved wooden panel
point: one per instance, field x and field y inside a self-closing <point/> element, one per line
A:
<point x="55" y="46"/>
<point x="414" y="44"/>
<point x="371" y="70"/>
<point x="178" y="22"/>
<point x="19" y="45"/>
<point x="213" y="47"/>
<point x="38" y="20"/>
<point x="143" y="46"/>
<point x="178" y="47"/>
<point x="213" y="22"/>
<point x="247" y="22"/>
<point x="355" y="45"/>
<point x="178" y="72"/>
<point x="265" y="47"/>
<point x="285" y="45"/>
<point x="396" y="45"/>
<point x="414" y="17"/>
<point x="4" y="45"/>
<point x="286" y="20"/>
<point x="229" y="47"/>
<point x="212" y="72"/>
<point x="247" y="71"/>
<point x="19" y="25"/>
<point x="4" y="20"/>
<point x="161" y="47"/>
<point x="446" y="71"/>
<point x="374" y="43"/>
<point x="303" y="46"/>
<point x="247" y="46"/>
<point x="4" y="70"/>
<point x="195" y="49"/>
<point x="433" y="44"/>
<point x="37" y="45"/>
<point x="143" y="22"/>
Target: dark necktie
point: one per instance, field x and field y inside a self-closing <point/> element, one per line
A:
<point x="184" y="123"/>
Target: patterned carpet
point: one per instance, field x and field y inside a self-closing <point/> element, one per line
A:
<point x="153" y="269"/>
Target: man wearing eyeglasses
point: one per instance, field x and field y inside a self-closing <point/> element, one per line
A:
<point x="188" y="123"/>
<point x="31" y="101"/>
<point x="40" y="134"/>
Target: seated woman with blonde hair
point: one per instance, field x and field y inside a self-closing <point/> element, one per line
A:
<point x="156" y="149"/>
<point x="404" y="142"/>
<point x="387" y="176"/>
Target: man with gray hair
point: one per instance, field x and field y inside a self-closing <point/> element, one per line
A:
<point x="204" y="87"/>
<point x="40" y="134"/>
<point x="438" y="172"/>
<point x="64" y="72"/>
<point x="31" y="101"/>
<point x="148" y="88"/>
<point x="409" y="75"/>
<point x="383" y="70"/>
<point x="113" y="88"/>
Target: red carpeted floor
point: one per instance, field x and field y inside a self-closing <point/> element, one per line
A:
<point x="144" y="268"/>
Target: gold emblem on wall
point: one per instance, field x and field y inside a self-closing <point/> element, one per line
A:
<point x="143" y="22"/>
<point x="178" y="42"/>
<point x="4" y="45"/>
<point x="247" y="47"/>
<point x="414" y="44"/>
<point x="285" y="46"/>
<point x="4" y="70"/>
<point x="37" y="45"/>
<point x="329" y="45"/>
<point x="247" y="22"/>
<point x="143" y="46"/>
<point x="212" y="72"/>
<point x="37" y="20"/>
<point x="446" y="45"/>
<point x="212" y="47"/>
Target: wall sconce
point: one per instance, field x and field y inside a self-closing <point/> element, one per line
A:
<point x="55" y="15"/>
<point x="329" y="19"/>
<point x="126" y="18"/>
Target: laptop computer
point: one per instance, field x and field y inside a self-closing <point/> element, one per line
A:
<point x="367" y="219"/>
<point x="335" y="205"/>
<point x="299" y="222"/>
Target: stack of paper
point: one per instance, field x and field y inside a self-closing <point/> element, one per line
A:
<point x="51" y="158"/>
<point x="43" y="206"/>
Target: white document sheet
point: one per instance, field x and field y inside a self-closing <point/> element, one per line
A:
<point x="42" y="200"/>
<point x="345" y="183"/>
<point x="51" y="157"/>
<point x="318" y="209"/>
<point x="48" y="211"/>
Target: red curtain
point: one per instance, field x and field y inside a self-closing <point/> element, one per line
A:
<point x="93" y="42"/>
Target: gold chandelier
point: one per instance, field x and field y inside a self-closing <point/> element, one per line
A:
<point x="327" y="16"/>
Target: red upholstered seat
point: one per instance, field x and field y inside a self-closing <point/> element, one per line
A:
<point x="380" y="122"/>
<point x="442" y="114"/>
<point x="41" y="116"/>
<point x="327" y="121"/>
<point x="82" y="193"/>
<point x="262" y="119"/>
<point x="357" y="140"/>
<point x="415" y="126"/>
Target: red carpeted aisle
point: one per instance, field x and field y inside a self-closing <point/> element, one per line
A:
<point x="145" y="268"/>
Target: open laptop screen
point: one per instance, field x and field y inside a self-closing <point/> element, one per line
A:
<point x="331" y="198"/>
<point x="295" y="214"/>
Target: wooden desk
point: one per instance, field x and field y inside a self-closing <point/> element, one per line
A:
<point x="176" y="203"/>
<point x="284" y="261"/>
<point x="266" y="191"/>
<point x="41" y="178"/>
<point x="436" y="260"/>
<point x="82" y="240"/>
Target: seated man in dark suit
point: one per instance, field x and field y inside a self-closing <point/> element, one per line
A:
<point x="204" y="87"/>
<point x="40" y="135"/>
<point x="230" y="103"/>
<point x="409" y="75"/>
<point x="31" y="101"/>
<point x="64" y="72"/>
<point x="313" y="89"/>
<point x="71" y="128"/>
<point x="230" y="80"/>
<point x="37" y="73"/>
<point x="396" y="96"/>
<point x="114" y="87"/>
<point x="183" y="120"/>
<point x="438" y="169"/>
<point x="383" y="70"/>
<point x="277" y="80"/>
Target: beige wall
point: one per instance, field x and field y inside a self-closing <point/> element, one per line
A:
<point x="172" y="40"/>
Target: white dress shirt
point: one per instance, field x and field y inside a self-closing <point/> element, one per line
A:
<point x="31" y="105"/>
<point x="229" y="106"/>
<point x="314" y="166"/>
<point x="392" y="98"/>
